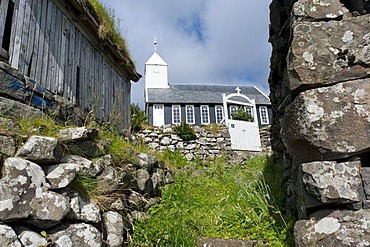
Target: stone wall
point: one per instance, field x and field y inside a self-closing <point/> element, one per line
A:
<point x="210" y="142"/>
<point x="320" y="89"/>
<point x="41" y="191"/>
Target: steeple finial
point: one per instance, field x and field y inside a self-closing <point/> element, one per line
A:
<point x="155" y="42"/>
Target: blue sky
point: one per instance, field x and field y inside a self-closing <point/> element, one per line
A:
<point x="202" y="41"/>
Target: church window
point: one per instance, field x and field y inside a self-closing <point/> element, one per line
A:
<point x="204" y="113"/>
<point x="190" y="114"/>
<point x="176" y="114"/>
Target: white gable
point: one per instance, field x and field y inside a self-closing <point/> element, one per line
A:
<point x="155" y="59"/>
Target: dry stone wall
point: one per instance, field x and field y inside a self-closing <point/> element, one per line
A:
<point x="320" y="89"/>
<point x="41" y="192"/>
<point x="207" y="145"/>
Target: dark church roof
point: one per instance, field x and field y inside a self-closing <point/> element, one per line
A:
<point x="202" y="94"/>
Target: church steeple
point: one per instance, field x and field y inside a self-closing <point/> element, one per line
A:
<point x="156" y="70"/>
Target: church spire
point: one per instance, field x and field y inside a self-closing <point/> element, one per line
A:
<point x="155" y="42"/>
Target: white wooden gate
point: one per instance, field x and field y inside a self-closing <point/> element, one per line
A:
<point x="244" y="135"/>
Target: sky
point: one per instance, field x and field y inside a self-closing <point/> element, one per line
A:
<point x="202" y="41"/>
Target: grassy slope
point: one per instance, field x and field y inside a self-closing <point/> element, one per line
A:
<point x="231" y="202"/>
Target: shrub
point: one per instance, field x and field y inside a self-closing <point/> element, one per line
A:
<point x="242" y="115"/>
<point x="138" y="118"/>
<point x="185" y="131"/>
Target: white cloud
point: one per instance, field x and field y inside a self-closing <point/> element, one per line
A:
<point x="203" y="41"/>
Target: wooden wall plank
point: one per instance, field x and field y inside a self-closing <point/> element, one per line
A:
<point x="45" y="59"/>
<point x="71" y="62"/>
<point x="63" y="50"/>
<point x="40" y="50"/>
<point x="35" y="50"/>
<point x="57" y="47"/>
<point x="14" y="59"/>
<point x="3" y="12"/>
<point x="13" y="29"/>
<point x="51" y="64"/>
<point x="66" y="84"/>
<point x="31" y="38"/>
<point x="23" y="63"/>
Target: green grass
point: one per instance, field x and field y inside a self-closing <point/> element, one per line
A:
<point x="229" y="202"/>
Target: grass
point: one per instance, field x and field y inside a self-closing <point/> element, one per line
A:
<point x="229" y="202"/>
<point x="107" y="25"/>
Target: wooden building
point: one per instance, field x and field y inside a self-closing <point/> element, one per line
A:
<point x="56" y="44"/>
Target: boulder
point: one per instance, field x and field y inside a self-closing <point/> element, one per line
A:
<point x="88" y="148"/>
<point x="11" y="86"/>
<point x="144" y="183"/>
<point x="323" y="53"/>
<point x="334" y="228"/>
<point x="8" y="145"/>
<point x="41" y="150"/>
<point x="319" y="124"/>
<point x="84" y="210"/>
<point x="29" y="238"/>
<point x="8" y="237"/>
<point x="18" y="185"/>
<point x="13" y="108"/>
<point x="114" y="228"/>
<point x="366" y="181"/>
<point x="331" y="182"/>
<point x="61" y="175"/>
<point x="47" y="208"/>
<point x="24" y="197"/>
<point x="318" y="10"/>
<point x="84" y="166"/>
<point x="77" y="134"/>
<point x="147" y="161"/>
<point x="9" y="124"/>
<point x="82" y="234"/>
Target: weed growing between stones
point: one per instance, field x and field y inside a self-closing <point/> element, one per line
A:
<point x="219" y="201"/>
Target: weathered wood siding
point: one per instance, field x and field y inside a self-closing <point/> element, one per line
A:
<point x="49" y="45"/>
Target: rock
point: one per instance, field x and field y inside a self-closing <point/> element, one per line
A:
<point x="118" y="205"/>
<point x="8" y="145"/>
<point x="104" y="161"/>
<point x="24" y="197"/>
<point x="143" y="181"/>
<point x="169" y="178"/>
<point x="9" y="124"/>
<point x="59" y="176"/>
<point x="328" y="52"/>
<point x="84" y="210"/>
<point x="84" y="166"/>
<point x="20" y="179"/>
<point x="109" y="179"/>
<point x="366" y="181"/>
<point x="318" y="125"/>
<point x="166" y="141"/>
<point x="29" y="238"/>
<point x="331" y="182"/>
<point x="77" y="134"/>
<point x="88" y="148"/>
<point x="8" y="237"/>
<point x="147" y="161"/>
<point x="47" y="208"/>
<point x="321" y="10"/>
<point x="114" y="227"/>
<point x="334" y="228"/>
<point x="11" y="86"/>
<point x="82" y="234"/>
<point x="158" y="178"/>
<point x="41" y="150"/>
<point x="189" y="156"/>
<point x="13" y="108"/>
